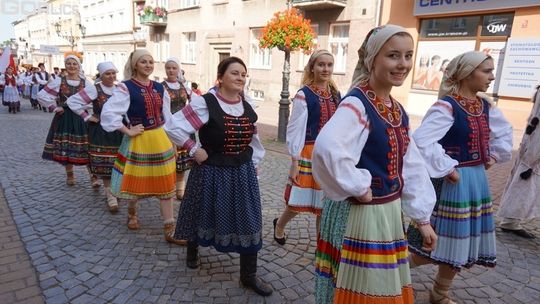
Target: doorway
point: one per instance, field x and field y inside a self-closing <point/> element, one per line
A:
<point x="224" y="56"/>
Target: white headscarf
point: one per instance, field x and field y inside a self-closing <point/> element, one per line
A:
<point x="81" y="72"/>
<point x="181" y="78"/>
<point x="459" y="68"/>
<point x="132" y="61"/>
<point x="373" y="43"/>
<point x="103" y="67"/>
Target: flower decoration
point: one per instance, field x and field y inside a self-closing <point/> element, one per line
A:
<point x="288" y="30"/>
<point x="160" y="11"/>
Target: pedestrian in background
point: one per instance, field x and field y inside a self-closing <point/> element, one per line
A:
<point x="222" y="204"/>
<point x="145" y="165"/>
<point x="103" y="145"/>
<point x="369" y="168"/>
<point x="10" y="95"/>
<point x="67" y="140"/>
<point x="460" y="137"/>
<point x="519" y="201"/>
<point x="313" y="105"/>
<point x="179" y="98"/>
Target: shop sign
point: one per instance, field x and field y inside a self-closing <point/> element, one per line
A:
<point x="450" y="27"/>
<point x="521" y="68"/>
<point x="432" y="7"/>
<point x="497" y="25"/>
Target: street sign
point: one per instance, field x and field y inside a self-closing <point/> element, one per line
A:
<point x="50" y="49"/>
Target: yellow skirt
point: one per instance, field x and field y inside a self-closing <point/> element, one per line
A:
<point x="145" y="166"/>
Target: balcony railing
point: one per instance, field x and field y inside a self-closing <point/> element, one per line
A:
<point x="319" y="4"/>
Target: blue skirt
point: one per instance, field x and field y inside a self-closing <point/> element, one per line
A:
<point x="463" y="221"/>
<point x="222" y="208"/>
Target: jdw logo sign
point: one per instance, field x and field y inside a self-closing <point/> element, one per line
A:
<point x="496" y="27"/>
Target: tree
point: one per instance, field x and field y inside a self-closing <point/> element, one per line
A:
<point x="288" y="31"/>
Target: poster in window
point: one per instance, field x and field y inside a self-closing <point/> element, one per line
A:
<point x="432" y="58"/>
<point x="496" y="50"/>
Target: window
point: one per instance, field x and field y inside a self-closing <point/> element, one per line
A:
<point x="338" y="44"/>
<point x="161" y="47"/>
<point x="190" y="47"/>
<point x="188" y="3"/>
<point x="258" y="58"/>
<point x="163" y="3"/>
<point x="303" y="59"/>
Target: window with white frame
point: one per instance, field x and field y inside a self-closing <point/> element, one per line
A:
<point x="338" y="45"/>
<point x="303" y="58"/>
<point x="190" y="48"/>
<point x="161" y="47"/>
<point x="258" y="58"/>
<point x="163" y="3"/>
<point x="189" y="3"/>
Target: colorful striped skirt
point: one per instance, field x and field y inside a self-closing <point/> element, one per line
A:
<point x="67" y="140"/>
<point x="102" y="149"/>
<point x="463" y="221"/>
<point x="362" y="255"/>
<point x="304" y="194"/>
<point x="145" y="166"/>
<point x="222" y="208"/>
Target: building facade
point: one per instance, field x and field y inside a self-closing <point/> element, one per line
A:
<point x="444" y="29"/>
<point x="202" y="32"/>
<point x="112" y="32"/>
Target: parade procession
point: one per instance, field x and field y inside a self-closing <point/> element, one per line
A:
<point x="298" y="151"/>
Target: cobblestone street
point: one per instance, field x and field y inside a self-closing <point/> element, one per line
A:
<point x="58" y="244"/>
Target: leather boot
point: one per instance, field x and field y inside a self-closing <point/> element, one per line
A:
<point x="192" y="257"/>
<point x="248" y="275"/>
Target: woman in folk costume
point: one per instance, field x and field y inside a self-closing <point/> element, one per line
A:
<point x="460" y="137"/>
<point x="222" y="205"/>
<point x="34" y="88"/>
<point x="520" y="197"/>
<point x="67" y="140"/>
<point x="11" y="93"/>
<point x="103" y="145"/>
<point x="174" y="84"/>
<point x="313" y="106"/>
<point x="370" y="169"/>
<point x="145" y="165"/>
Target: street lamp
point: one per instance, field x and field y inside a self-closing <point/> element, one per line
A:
<point x="70" y="37"/>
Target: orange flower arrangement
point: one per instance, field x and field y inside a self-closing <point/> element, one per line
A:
<point x="288" y="30"/>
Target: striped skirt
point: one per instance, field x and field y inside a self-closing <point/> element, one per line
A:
<point x="463" y="221"/>
<point x="67" y="140"/>
<point x="102" y="149"/>
<point x="304" y="194"/>
<point x="145" y="166"/>
<point x="362" y="255"/>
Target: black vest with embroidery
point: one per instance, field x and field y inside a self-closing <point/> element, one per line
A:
<point x="226" y="138"/>
<point x="66" y="90"/>
<point x="100" y="100"/>
<point x="179" y="97"/>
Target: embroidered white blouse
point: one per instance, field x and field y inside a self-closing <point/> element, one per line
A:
<point x="116" y="107"/>
<point x="338" y="149"/>
<point x="48" y="95"/>
<point x="436" y="123"/>
<point x="195" y="115"/>
<point x="81" y="102"/>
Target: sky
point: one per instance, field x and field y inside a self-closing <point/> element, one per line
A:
<point x="11" y="10"/>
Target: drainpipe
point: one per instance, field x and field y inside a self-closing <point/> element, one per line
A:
<point x="378" y="14"/>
